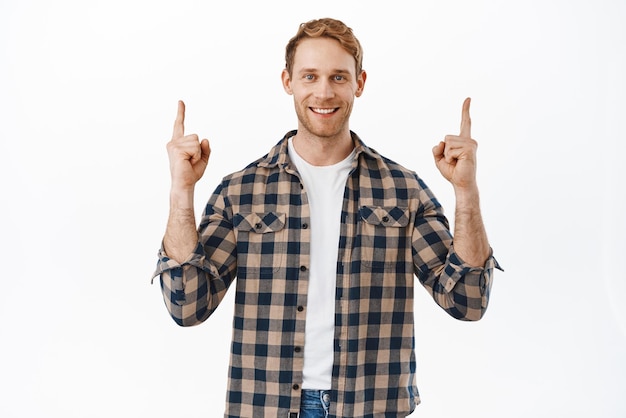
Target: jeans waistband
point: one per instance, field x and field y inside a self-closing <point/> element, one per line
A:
<point x="315" y="398"/>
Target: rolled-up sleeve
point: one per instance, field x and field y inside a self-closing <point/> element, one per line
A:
<point x="193" y="289"/>
<point x="460" y="289"/>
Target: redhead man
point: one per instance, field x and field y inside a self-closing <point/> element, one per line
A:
<point x="323" y="238"/>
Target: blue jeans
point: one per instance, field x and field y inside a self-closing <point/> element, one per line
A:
<point x="314" y="403"/>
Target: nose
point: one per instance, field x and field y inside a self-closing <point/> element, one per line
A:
<point x="324" y="89"/>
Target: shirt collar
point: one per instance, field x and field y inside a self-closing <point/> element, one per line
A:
<point x="278" y="155"/>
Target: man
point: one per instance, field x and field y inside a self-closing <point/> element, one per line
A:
<point x="325" y="237"/>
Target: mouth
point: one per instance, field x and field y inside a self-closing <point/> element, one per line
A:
<point x="324" y="110"/>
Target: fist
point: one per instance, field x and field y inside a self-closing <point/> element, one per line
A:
<point x="455" y="156"/>
<point x="187" y="154"/>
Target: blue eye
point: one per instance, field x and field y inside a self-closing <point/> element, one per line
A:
<point x="339" y="78"/>
<point x="308" y="77"/>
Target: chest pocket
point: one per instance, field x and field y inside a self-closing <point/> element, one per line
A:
<point x="385" y="239"/>
<point x="261" y="243"/>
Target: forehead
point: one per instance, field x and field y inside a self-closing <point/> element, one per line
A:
<point x="323" y="54"/>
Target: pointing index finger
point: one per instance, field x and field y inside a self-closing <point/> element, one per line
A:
<point x="179" y="123"/>
<point x="466" y="122"/>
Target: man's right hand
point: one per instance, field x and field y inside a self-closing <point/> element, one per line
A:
<point x="188" y="156"/>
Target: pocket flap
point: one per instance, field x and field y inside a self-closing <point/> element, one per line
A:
<point x="390" y="216"/>
<point x="259" y="223"/>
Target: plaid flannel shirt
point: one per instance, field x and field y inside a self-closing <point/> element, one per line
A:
<point x="255" y="228"/>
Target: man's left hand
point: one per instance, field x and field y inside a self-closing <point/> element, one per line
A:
<point x="455" y="156"/>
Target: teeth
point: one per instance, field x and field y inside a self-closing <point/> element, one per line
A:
<point x="323" y="111"/>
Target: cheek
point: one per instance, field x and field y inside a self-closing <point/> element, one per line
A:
<point x="353" y="90"/>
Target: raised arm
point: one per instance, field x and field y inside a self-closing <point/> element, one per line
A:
<point x="188" y="159"/>
<point x="456" y="160"/>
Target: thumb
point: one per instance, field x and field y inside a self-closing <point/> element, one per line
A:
<point x="205" y="150"/>
<point x="438" y="150"/>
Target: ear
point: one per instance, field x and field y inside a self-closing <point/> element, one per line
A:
<point x="360" y="83"/>
<point x="286" y="82"/>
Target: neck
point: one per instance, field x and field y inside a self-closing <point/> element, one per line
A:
<point x="323" y="151"/>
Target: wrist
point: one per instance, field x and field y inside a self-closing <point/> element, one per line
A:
<point x="467" y="193"/>
<point x="181" y="197"/>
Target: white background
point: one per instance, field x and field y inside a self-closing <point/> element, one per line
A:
<point x="88" y="95"/>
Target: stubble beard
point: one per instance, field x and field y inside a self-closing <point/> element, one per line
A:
<point x="319" y="128"/>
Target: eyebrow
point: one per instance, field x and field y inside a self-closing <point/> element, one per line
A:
<point x="315" y="70"/>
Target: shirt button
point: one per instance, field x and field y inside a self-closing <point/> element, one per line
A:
<point x="300" y="308"/>
<point x="302" y="268"/>
<point x="385" y="218"/>
<point x="297" y="349"/>
<point x="305" y="226"/>
<point x="296" y="386"/>
<point x="258" y="226"/>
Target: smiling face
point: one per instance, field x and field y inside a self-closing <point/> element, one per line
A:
<point x="324" y="84"/>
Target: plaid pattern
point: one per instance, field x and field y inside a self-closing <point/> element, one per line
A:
<point x="255" y="228"/>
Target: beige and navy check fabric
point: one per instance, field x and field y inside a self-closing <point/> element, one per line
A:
<point x="255" y="229"/>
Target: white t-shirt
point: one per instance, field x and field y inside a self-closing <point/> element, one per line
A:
<point x="325" y="187"/>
